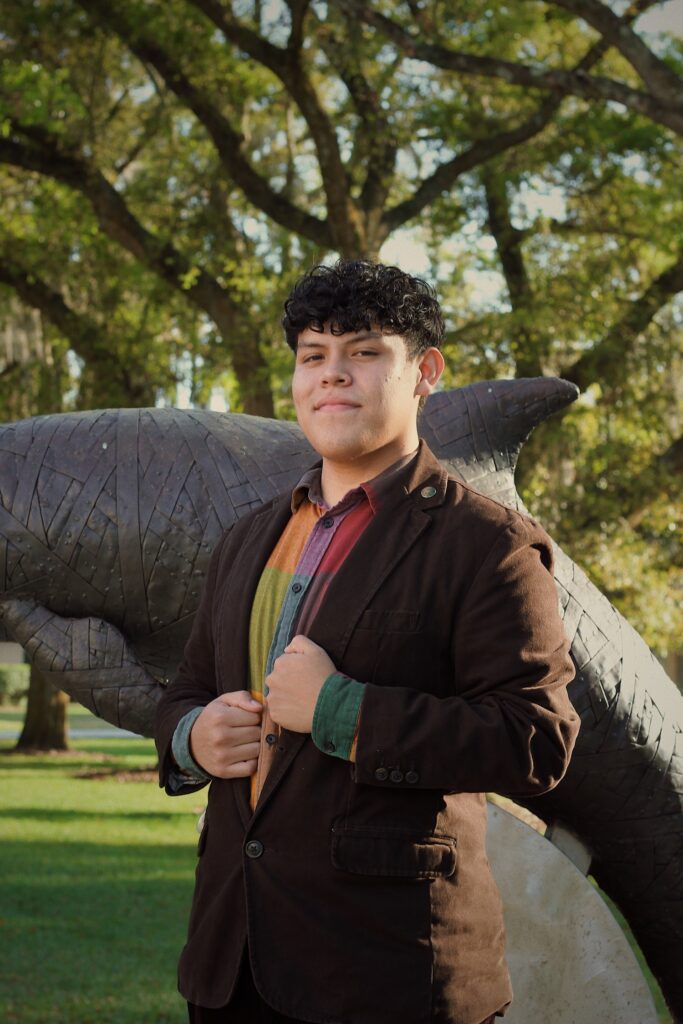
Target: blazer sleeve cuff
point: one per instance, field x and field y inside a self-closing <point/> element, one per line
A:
<point x="185" y="774"/>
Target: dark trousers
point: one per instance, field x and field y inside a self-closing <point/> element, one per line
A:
<point x="247" y="1007"/>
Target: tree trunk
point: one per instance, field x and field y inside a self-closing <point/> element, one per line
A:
<point x="253" y="377"/>
<point x="527" y="347"/>
<point x="45" y="726"/>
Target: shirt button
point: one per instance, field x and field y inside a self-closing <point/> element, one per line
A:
<point x="328" y="521"/>
<point x="254" y="848"/>
<point x="428" y="492"/>
<point x="271" y="738"/>
<point x="412" y="776"/>
<point x="296" y="587"/>
<point x="381" y="774"/>
<point x="396" y="775"/>
<point x="329" y="746"/>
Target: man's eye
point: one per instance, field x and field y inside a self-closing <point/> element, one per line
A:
<point x="366" y="352"/>
<point x="307" y="359"/>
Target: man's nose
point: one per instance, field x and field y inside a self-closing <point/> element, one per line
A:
<point x="335" y="373"/>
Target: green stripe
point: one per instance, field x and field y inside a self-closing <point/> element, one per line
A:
<point x="265" y="611"/>
<point x="336" y="715"/>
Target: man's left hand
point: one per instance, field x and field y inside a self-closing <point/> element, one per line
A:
<point x="295" y="682"/>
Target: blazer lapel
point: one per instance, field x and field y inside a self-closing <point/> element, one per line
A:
<point x="374" y="556"/>
<point x="399" y="521"/>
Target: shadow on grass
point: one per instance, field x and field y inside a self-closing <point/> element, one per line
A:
<point x="55" y="815"/>
<point x="71" y="767"/>
<point x="102" y="749"/>
<point x="93" y="932"/>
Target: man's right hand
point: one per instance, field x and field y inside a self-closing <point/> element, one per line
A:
<point x="225" y="737"/>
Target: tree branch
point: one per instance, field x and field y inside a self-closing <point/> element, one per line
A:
<point x="298" y="10"/>
<point x="508" y="240"/>
<point x="663" y="474"/>
<point x="374" y="144"/>
<point x="592" y="227"/>
<point x="667" y="111"/>
<point x="150" y="126"/>
<point x="446" y="174"/>
<point x="83" y="333"/>
<point x="671" y="461"/>
<point x="599" y="362"/>
<point x="43" y="156"/>
<point x="664" y="83"/>
<point x="227" y="141"/>
<point x="287" y="66"/>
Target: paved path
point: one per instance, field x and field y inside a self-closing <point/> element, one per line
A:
<point x="83" y="734"/>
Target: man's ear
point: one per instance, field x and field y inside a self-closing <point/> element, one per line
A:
<point x="430" y="366"/>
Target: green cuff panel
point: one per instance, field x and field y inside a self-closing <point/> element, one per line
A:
<point x="336" y="715"/>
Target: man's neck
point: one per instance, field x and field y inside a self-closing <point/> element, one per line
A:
<point x="338" y="478"/>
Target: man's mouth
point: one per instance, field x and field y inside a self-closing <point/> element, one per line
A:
<point x="335" y="407"/>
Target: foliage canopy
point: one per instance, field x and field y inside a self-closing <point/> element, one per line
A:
<point x="169" y="169"/>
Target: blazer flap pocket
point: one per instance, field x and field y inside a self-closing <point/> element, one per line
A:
<point x="381" y="851"/>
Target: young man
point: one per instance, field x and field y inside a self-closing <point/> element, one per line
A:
<point x="373" y="652"/>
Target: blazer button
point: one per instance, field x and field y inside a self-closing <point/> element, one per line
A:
<point x="396" y="775"/>
<point x="271" y="738"/>
<point x="412" y="776"/>
<point x="381" y="774"/>
<point x="254" y="848"/>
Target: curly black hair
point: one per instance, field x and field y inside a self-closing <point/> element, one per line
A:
<point x="355" y="294"/>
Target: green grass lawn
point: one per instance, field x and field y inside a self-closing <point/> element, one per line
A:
<point x="96" y="882"/>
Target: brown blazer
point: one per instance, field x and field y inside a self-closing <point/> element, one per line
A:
<point x="363" y="889"/>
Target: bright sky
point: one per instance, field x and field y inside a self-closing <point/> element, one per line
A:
<point x="667" y="17"/>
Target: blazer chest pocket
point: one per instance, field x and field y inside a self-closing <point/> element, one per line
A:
<point x="364" y="850"/>
<point x="386" y="648"/>
<point x="389" y="621"/>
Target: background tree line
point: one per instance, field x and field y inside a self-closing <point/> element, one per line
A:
<point x="169" y="169"/>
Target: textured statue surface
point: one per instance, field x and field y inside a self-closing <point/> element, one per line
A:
<point x="107" y="521"/>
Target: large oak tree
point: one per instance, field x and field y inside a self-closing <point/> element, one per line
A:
<point x="168" y="169"/>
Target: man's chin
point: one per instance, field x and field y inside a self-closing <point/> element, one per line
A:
<point x="340" y="449"/>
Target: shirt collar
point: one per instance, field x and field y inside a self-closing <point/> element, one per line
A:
<point x="309" y="487"/>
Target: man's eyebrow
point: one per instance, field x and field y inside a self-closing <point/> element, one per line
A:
<point x="367" y="336"/>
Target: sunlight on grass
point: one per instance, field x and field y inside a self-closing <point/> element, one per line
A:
<point x="96" y="886"/>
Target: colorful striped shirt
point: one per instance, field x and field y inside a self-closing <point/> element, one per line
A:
<point x="292" y="586"/>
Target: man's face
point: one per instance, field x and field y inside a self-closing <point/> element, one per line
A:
<point x="354" y="393"/>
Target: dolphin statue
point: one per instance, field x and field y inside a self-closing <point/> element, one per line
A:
<point x="107" y="521"/>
